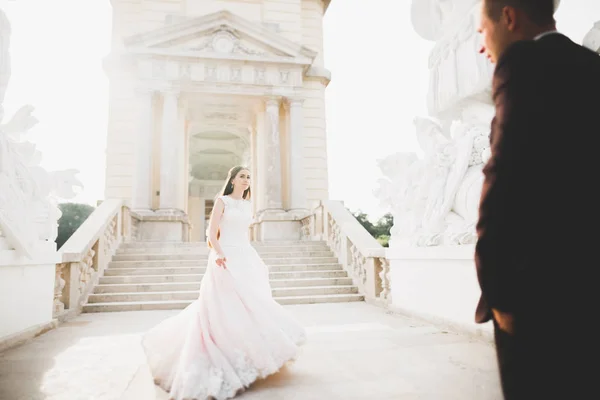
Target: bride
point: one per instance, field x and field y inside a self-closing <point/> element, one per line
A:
<point x="235" y="333"/>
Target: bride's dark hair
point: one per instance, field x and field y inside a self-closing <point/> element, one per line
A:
<point x="227" y="190"/>
<point x="228" y="187"/>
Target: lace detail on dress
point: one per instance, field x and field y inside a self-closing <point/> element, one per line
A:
<point x="217" y="386"/>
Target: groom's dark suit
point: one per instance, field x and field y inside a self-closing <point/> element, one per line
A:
<point x="538" y="253"/>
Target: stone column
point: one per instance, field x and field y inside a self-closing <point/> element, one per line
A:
<point x="142" y="176"/>
<point x="296" y="155"/>
<point x="260" y="163"/>
<point x="253" y="166"/>
<point x="273" y="152"/>
<point x="172" y="163"/>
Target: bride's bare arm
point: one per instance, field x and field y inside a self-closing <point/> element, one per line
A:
<point x="213" y="226"/>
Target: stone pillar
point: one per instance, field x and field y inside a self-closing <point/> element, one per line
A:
<point x="172" y="163"/>
<point x="296" y="155"/>
<point x="273" y="152"/>
<point x="142" y="176"/>
<point x="272" y="222"/>
<point x="170" y="222"/>
<point x="253" y="166"/>
<point x="260" y="164"/>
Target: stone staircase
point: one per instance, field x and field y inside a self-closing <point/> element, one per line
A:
<point x="166" y="276"/>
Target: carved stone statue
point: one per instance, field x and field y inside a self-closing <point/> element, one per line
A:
<point x="434" y="200"/>
<point x="28" y="211"/>
<point x="4" y="58"/>
<point x="592" y="38"/>
<point x="430" y="17"/>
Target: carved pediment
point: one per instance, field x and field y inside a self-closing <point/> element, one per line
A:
<point x="220" y="35"/>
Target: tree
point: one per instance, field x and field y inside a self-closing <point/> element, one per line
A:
<point x="364" y="221"/>
<point x="381" y="230"/>
<point x="384" y="225"/>
<point x="73" y="215"/>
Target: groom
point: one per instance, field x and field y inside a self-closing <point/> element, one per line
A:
<point x="538" y="252"/>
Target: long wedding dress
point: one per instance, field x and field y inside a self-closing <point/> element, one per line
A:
<point x="234" y="334"/>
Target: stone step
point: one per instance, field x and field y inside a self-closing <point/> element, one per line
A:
<point x="201" y="262"/>
<point x="161" y="270"/>
<point x="330" y="298"/>
<point x="272" y="254"/>
<point x="160" y="257"/>
<point x="201" y="245"/>
<point x="196" y="278"/>
<point x="142" y="296"/>
<point x="290" y="283"/>
<point x="203" y="257"/>
<point x="181" y="304"/>
<point x="314" y="290"/>
<point x="162" y="250"/>
<point x="152" y="278"/>
<point x="203" y="249"/>
<point x="193" y="294"/>
<point x="195" y="285"/>
<point x="154" y="271"/>
<point x="147" y="287"/>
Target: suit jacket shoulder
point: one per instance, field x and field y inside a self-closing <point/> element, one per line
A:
<point x="518" y="66"/>
<point x="521" y="52"/>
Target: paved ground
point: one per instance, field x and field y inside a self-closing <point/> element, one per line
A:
<point x="355" y="351"/>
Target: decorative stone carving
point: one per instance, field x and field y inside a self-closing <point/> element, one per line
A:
<point x="28" y="211"/>
<point x="434" y="200"/>
<point x="227" y="41"/>
<point x="185" y="71"/>
<point x="111" y="236"/>
<point x="59" y="285"/>
<point x="236" y="74"/>
<point x="260" y="76"/>
<point x="86" y="269"/>
<point x="386" y="284"/>
<point x="4" y="58"/>
<point x="307" y="227"/>
<point x="431" y="17"/>
<point x="334" y="235"/>
<point x="358" y="264"/>
<point x="210" y="72"/>
<point x="221" y="116"/>
<point x="284" y="77"/>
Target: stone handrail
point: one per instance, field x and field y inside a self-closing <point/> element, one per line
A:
<point x="360" y="254"/>
<point x="85" y="256"/>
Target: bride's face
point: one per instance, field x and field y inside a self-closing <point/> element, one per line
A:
<point x="242" y="179"/>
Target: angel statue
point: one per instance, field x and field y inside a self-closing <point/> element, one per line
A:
<point x="435" y="199"/>
<point x="28" y="193"/>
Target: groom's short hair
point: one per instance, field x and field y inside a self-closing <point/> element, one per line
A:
<point x="541" y="12"/>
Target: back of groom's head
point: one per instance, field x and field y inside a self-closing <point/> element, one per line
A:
<point x="540" y="12"/>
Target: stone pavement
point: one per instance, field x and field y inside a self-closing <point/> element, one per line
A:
<point x="354" y="351"/>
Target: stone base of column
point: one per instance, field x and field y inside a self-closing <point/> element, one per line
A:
<point x="161" y="225"/>
<point x="278" y="225"/>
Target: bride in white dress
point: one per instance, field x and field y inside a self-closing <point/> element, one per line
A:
<point x="235" y="333"/>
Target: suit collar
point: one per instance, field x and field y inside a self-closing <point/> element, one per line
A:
<point x="547" y="33"/>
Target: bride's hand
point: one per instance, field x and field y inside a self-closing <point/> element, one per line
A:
<point x="221" y="261"/>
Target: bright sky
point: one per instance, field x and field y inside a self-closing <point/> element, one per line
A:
<point x="379" y="85"/>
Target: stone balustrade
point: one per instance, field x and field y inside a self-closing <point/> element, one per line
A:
<point x="359" y="253"/>
<point x="85" y="256"/>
